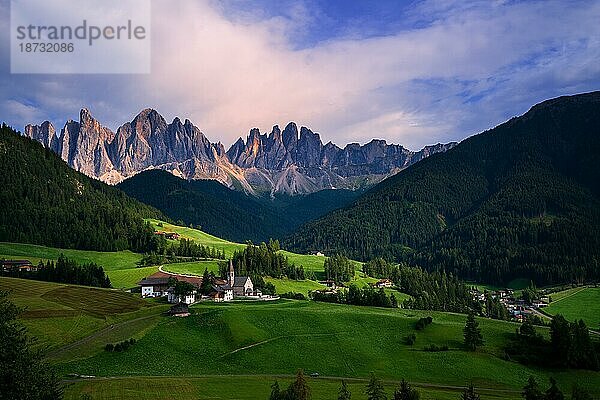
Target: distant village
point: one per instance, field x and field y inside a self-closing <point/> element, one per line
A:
<point x="518" y="309"/>
<point x="162" y="284"/>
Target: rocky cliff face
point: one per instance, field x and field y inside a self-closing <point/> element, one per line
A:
<point x="288" y="161"/>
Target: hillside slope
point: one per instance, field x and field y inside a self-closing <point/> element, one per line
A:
<point x="519" y="200"/>
<point x="45" y="202"/>
<point x="227" y="213"/>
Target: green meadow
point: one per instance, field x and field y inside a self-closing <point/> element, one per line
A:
<point x="58" y="314"/>
<point x="276" y="338"/>
<point x="254" y="343"/>
<point x="120" y="266"/>
<point x="193" y="267"/>
<point x="109" y="260"/>
<point x="577" y="303"/>
<point x="241" y="388"/>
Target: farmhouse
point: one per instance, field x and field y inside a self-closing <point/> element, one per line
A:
<point x="168" y="235"/>
<point x="330" y="283"/>
<point x="161" y="284"/>
<point x="383" y="283"/>
<point x="156" y="285"/>
<point x="17" y="266"/>
<point x="179" y="310"/>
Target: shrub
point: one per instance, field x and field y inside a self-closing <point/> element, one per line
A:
<point x="109" y="347"/>
<point x="434" y="348"/>
<point x="423" y="322"/>
<point x="410" y="339"/>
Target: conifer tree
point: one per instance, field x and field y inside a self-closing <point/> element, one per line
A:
<point x="375" y="390"/>
<point x="406" y="392"/>
<point x="299" y="389"/>
<point x="472" y="333"/>
<point x="553" y="392"/>
<point x="531" y="391"/>
<point x="469" y="393"/>
<point x="344" y="393"/>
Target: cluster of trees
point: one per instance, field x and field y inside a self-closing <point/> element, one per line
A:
<point x="532" y="391"/>
<point x="570" y="345"/>
<point x="429" y="290"/>
<point x="422" y="323"/>
<point x="375" y="390"/>
<point x="46" y="202"/>
<point x="299" y="390"/>
<point x="339" y="269"/>
<point x="501" y="205"/>
<point x="65" y="270"/>
<point x="184" y="250"/>
<point x="23" y="372"/>
<point x="432" y="290"/>
<point x="494" y="308"/>
<point x="189" y="248"/>
<point x="121" y="346"/>
<point x="367" y="296"/>
<point x="265" y="260"/>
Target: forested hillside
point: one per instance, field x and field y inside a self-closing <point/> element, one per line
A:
<point x="519" y="200"/>
<point x="45" y="202"/>
<point x="227" y="213"/>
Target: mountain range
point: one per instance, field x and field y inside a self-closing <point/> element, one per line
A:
<point x="291" y="161"/>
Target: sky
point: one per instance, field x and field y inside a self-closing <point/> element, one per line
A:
<point x="410" y="72"/>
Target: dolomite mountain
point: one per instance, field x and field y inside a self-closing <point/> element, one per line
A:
<point x="291" y="161"/>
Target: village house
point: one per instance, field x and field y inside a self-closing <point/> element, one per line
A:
<point x="155" y="285"/>
<point x="330" y="283"/>
<point x="17" y="266"/>
<point x="383" y="283"/>
<point x="168" y="235"/>
<point x="160" y="284"/>
<point x="179" y="310"/>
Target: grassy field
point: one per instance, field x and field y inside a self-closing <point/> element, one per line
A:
<point x="109" y="260"/>
<point x="333" y="340"/>
<point x="309" y="262"/>
<point x="266" y="340"/>
<point x="60" y="314"/>
<point x="240" y="388"/>
<point x="120" y="266"/>
<point x="288" y="285"/>
<point x="193" y="267"/>
<point x="577" y="303"/>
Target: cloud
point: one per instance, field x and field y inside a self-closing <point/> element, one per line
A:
<point x="451" y="71"/>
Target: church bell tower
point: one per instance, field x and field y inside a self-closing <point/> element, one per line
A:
<point x="231" y="274"/>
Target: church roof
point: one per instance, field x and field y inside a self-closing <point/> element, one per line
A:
<point x="239" y="281"/>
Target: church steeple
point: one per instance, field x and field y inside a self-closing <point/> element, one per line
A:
<point x="231" y="274"/>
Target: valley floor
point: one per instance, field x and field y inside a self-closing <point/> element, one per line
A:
<point x="236" y="350"/>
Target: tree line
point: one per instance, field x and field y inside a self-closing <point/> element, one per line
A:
<point x="570" y="345"/>
<point x="375" y="390"/>
<point x="65" y="270"/>
<point x="264" y="260"/>
<point x="184" y="250"/>
<point x="354" y="295"/>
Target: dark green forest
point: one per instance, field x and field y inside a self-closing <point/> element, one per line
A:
<point x="46" y="202"/>
<point x="518" y="201"/>
<point x="230" y="214"/>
